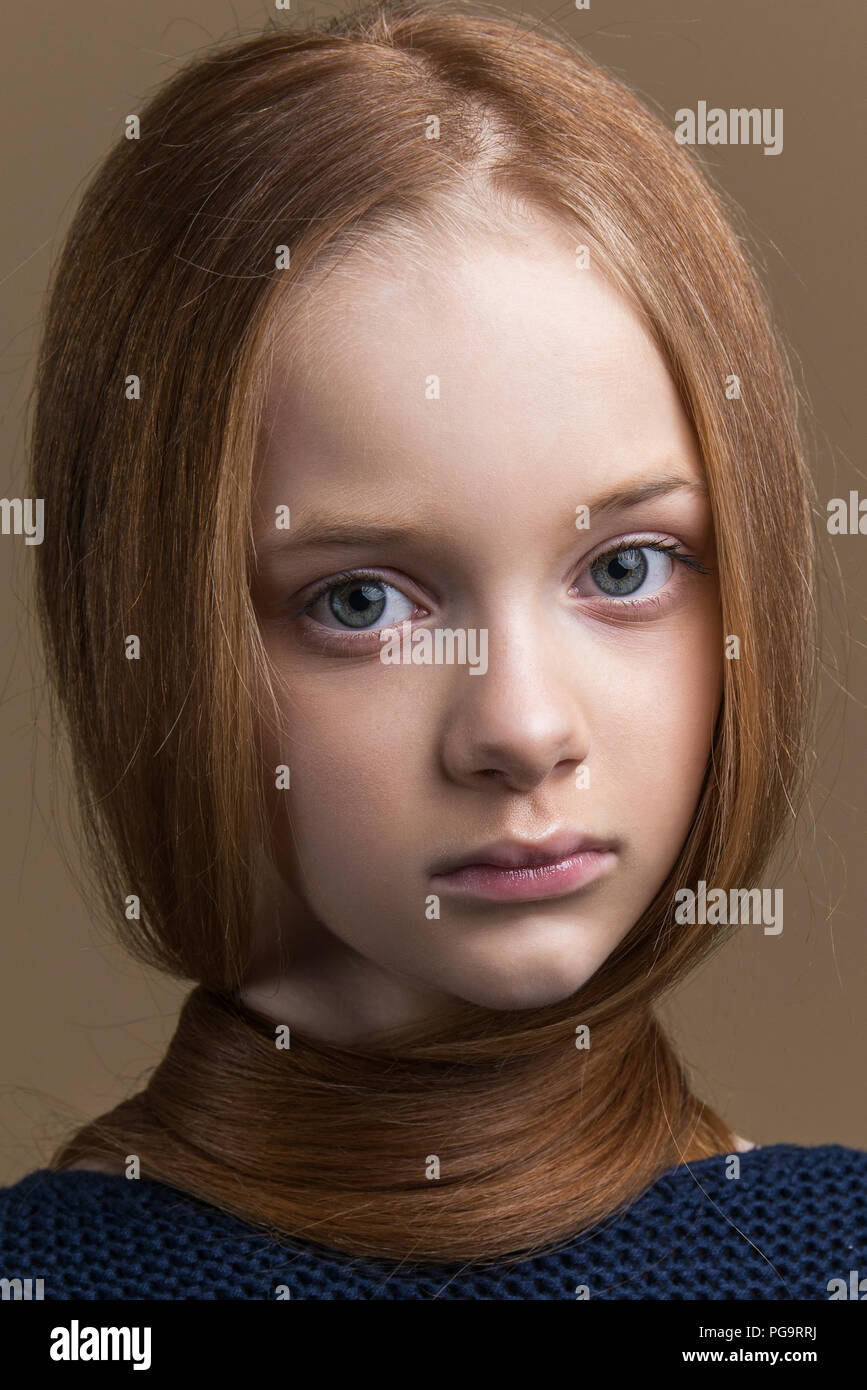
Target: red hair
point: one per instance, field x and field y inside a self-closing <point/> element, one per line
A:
<point x="315" y="140"/>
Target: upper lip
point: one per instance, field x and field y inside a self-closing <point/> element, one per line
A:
<point x="526" y="854"/>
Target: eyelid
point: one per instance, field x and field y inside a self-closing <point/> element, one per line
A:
<point x="342" y="577"/>
<point x="639" y="540"/>
<point x="358" y="573"/>
<point x="635" y="608"/>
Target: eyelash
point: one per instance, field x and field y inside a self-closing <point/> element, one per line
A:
<point x="345" y="640"/>
<point x="671" y="548"/>
<point x="666" y="547"/>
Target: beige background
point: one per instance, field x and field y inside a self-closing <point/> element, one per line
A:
<point x="775" y="1027"/>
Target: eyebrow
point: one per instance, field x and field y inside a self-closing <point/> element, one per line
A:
<point x="645" y="492"/>
<point x="351" y="532"/>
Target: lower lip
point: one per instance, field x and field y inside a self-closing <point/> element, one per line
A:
<point x="521" y="885"/>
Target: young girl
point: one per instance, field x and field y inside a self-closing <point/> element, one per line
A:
<point x="427" y="588"/>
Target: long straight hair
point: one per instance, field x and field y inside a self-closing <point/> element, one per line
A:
<point x="151" y="379"/>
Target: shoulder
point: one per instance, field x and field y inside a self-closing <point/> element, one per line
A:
<point x="796" y="1178"/>
<point x="777" y="1221"/>
<point x="91" y="1234"/>
<point x="835" y="1169"/>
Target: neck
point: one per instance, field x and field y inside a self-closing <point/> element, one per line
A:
<point x="488" y="1137"/>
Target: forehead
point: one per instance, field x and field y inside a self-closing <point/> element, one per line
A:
<point x="463" y="367"/>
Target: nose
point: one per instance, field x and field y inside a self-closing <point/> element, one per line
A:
<point x="523" y="718"/>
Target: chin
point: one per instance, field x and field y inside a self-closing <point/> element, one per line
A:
<point x="531" y="989"/>
<point x="531" y="966"/>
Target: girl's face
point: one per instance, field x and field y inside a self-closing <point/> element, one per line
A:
<point x="437" y="442"/>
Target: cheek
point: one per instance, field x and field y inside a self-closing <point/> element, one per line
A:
<point x="654" y="744"/>
<point x="356" y="766"/>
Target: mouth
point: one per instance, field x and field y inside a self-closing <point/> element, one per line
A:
<point x="519" y="871"/>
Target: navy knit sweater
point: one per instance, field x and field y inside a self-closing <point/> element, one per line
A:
<point x="793" y="1222"/>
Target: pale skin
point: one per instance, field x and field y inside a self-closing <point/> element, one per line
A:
<point x="551" y="396"/>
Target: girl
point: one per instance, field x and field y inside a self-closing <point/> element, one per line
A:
<point x="427" y="588"/>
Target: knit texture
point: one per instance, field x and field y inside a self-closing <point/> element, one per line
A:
<point x="795" y="1219"/>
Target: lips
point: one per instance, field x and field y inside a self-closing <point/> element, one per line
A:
<point x="520" y="871"/>
<point x="525" y="854"/>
